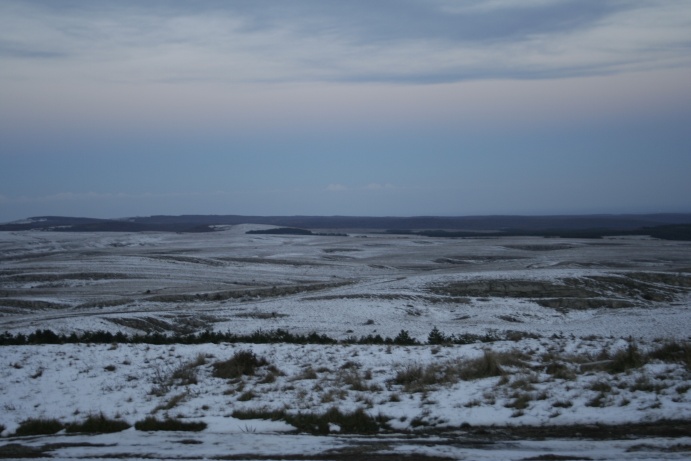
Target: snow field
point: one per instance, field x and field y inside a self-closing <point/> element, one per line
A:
<point x="70" y="382"/>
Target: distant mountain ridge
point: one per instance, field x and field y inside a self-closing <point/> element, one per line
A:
<point x="503" y="224"/>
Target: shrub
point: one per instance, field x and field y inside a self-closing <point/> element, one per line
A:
<point x="404" y="339"/>
<point x="520" y="402"/>
<point x="560" y="370"/>
<point x="307" y="373"/>
<point x="598" y="401"/>
<point x="249" y="395"/>
<point x="269" y="378"/>
<point x="355" y="380"/>
<point x="416" y="378"/>
<point x="98" y="424"/>
<point x="437" y="337"/>
<point x="39" y="426"/>
<point x="682" y="389"/>
<point x="626" y="359"/>
<point x="242" y="363"/>
<point x="259" y="413"/>
<point x="357" y="422"/>
<point x="483" y="367"/>
<point x="169" y="424"/>
<point x="562" y="404"/>
<point x="644" y="384"/>
<point x="172" y="403"/>
<point x="600" y="386"/>
<point x="673" y="352"/>
<point x="185" y="374"/>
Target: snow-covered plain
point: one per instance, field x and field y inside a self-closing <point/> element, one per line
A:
<point x="364" y="284"/>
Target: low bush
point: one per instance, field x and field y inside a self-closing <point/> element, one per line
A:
<point x="418" y="378"/>
<point x="519" y="402"/>
<point x="247" y="396"/>
<point x="560" y="370"/>
<point x="173" y="402"/>
<point x="483" y="367"/>
<point x="404" y="339"/>
<point x="185" y="374"/>
<point x="259" y="413"/>
<point x="599" y="401"/>
<point x="626" y="359"/>
<point x="600" y="386"/>
<point x="39" y="426"/>
<point x="98" y="424"/>
<point x="437" y="337"/>
<point x="562" y="404"/>
<point x="169" y="424"/>
<point x="356" y="422"/>
<point x="242" y="363"/>
<point x="673" y="352"/>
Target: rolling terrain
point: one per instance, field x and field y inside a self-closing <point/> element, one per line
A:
<point x="574" y="333"/>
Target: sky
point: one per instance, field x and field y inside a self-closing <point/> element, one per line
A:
<point x="331" y="107"/>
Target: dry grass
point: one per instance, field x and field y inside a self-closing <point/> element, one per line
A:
<point x="242" y="363"/>
<point x="420" y="378"/>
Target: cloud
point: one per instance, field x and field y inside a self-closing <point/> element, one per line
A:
<point x="378" y="186"/>
<point x="470" y="6"/>
<point x="91" y="196"/>
<point x="354" y="41"/>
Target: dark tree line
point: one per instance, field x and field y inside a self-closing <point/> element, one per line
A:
<point x="45" y="336"/>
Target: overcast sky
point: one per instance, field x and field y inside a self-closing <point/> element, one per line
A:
<point x="344" y="107"/>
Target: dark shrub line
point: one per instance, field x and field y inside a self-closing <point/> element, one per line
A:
<point x="97" y="424"/>
<point x="258" y="337"/>
<point x="94" y="424"/>
<point x="39" y="426"/>
<point x="100" y="424"/>
<point x="355" y="422"/>
<point x="632" y="358"/>
<point x="152" y="424"/>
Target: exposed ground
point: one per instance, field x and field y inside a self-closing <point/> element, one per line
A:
<point x="582" y="301"/>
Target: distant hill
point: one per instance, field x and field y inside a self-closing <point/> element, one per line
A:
<point x="667" y="226"/>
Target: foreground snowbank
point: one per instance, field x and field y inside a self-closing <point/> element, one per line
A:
<point x="557" y="381"/>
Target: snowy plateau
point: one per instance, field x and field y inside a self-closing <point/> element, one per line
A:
<point x="496" y="348"/>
